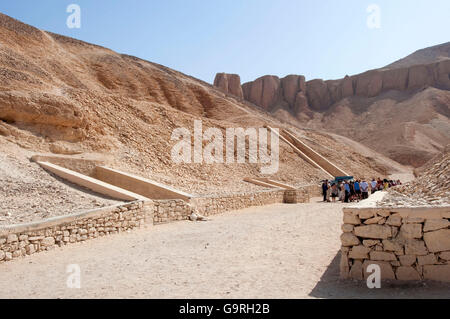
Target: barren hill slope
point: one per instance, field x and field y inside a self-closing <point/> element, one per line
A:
<point x="428" y="55"/>
<point x="65" y="96"/>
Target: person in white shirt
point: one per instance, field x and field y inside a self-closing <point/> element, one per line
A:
<point x="364" y="189"/>
<point x="373" y="185"/>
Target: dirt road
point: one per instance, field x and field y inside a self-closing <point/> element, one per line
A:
<point x="277" y="251"/>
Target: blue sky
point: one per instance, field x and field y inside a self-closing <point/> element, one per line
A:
<point x="319" y="39"/>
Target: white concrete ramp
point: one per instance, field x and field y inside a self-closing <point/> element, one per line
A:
<point x="137" y="184"/>
<point x="91" y="183"/>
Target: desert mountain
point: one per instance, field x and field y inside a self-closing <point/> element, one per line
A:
<point x="404" y="103"/>
<point x="64" y="96"/>
<point x="428" y="55"/>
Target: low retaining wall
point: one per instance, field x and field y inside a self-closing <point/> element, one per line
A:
<point x="170" y="210"/>
<point x="217" y="204"/>
<point x="26" y="239"/>
<point x="407" y="243"/>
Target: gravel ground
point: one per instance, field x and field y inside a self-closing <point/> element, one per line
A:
<point x="277" y="251"/>
<point x="28" y="193"/>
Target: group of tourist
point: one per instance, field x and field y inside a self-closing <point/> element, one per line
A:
<point x="354" y="190"/>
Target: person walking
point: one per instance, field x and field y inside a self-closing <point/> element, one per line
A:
<point x="334" y="192"/>
<point x="373" y="186"/>
<point x="347" y="192"/>
<point x="357" y="189"/>
<point x="364" y="189"/>
<point x="342" y="192"/>
<point x="324" y="190"/>
<point x="329" y="192"/>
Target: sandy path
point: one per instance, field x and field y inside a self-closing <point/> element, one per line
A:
<point x="277" y="251"/>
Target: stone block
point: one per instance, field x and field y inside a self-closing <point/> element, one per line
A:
<point x="435" y="224"/>
<point x="429" y="259"/>
<point x="387" y="271"/>
<point x="373" y="231"/>
<point x="359" y="252"/>
<point x="437" y="241"/>
<point x="411" y="231"/>
<point x="382" y="256"/>
<point x="407" y="260"/>
<point x="437" y="272"/>
<point x="407" y="273"/>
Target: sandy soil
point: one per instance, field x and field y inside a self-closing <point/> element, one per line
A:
<point x="277" y="251"/>
<point x="29" y="193"/>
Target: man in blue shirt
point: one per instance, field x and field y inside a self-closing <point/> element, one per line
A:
<point x="357" y="189"/>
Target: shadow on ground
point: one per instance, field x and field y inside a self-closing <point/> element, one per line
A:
<point x="331" y="286"/>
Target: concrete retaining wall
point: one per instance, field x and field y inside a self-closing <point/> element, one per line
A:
<point x="407" y="243"/>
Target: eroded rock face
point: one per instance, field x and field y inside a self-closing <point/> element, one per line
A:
<point x="269" y="91"/>
<point x="264" y="91"/>
<point x="318" y="95"/>
<point x="292" y="85"/>
<point x="229" y="83"/>
<point x="369" y="84"/>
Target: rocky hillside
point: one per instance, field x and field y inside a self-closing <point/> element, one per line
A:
<point x="414" y="99"/>
<point x="65" y="96"/>
<point x="432" y="187"/>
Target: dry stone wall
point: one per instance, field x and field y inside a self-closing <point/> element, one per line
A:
<point x="27" y="239"/>
<point x="407" y="243"/>
<point x="215" y="204"/>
